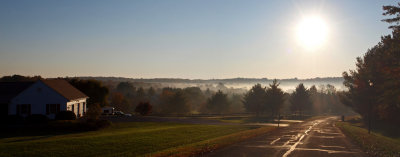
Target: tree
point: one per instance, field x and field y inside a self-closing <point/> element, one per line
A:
<point x="255" y="100"/>
<point x="373" y="87"/>
<point x="127" y="89"/>
<point x="195" y="97"/>
<point x="94" y="89"/>
<point x="143" y="108"/>
<point x="300" y="100"/>
<point x="140" y="95"/>
<point x="120" y="103"/>
<point x="15" y="78"/>
<point x="218" y="103"/>
<point x="392" y="10"/>
<point x="275" y="98"/>
<point x="94" y="112"/>
<point x="173" y="101"/>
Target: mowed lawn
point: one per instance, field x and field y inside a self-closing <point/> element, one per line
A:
<point x="375" y="144"/>
<point x="121" y="139"/>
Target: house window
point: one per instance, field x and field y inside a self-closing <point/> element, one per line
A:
<point x="73" y="108"/>
<point x="52" y="108"/>
<point x="23" y="109"/>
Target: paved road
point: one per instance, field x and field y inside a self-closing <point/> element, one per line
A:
<point x="316" y="138"/>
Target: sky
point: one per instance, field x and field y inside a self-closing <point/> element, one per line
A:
<point x="194" y="39"/>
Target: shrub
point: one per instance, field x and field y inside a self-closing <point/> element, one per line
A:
<point x="65" y="115"/>
<point x="94" y="111"/>
<point x="37" y="119"/>
<point x="144" y="108"/>
<point x="14" y="119"/>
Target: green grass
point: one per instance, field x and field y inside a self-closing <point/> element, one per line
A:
<point x="374" y="144"/>
<point x="129" y="139"/>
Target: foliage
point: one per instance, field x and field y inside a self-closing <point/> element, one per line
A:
<point x="195" y="97"/>
<point x="65" y="115"/>
<point x="144" y="108"/>
<point x="13" y="119"/>
<point x="218" y="103"/>
<point x="393" y="10"/>
<point x="255" y="99"/>
<point x="173" y="101"/>
<point x="120" y="103"/>
<point x="16" y="78"/>
<point x="275" y="98"/>
<point x="94" y="112"/>
<point x="300" y="100"/>
<point x="94" y="89"/>
<point x="373" y="88"/>
<point x="36" y="119"/>
<point x="127" y="89"/>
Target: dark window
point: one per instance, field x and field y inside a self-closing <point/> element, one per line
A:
<point x="84" y="108"/>
<point x="52" y="108"/>
<point x="23" y="109"/>
<point x="79" y="109"/>
<point x="73" y="108"/>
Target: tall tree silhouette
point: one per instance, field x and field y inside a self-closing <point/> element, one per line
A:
<point x="300" y="100"/>
<point x="275" y="99"/>
<point x="218" y="103"/>
<point x="255" y="99"/>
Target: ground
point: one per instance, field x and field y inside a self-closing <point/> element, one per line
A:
<point x="318" y="137"/>
<point x="128" y="139"/>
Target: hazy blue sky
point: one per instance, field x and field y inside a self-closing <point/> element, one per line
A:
<point x="183" y="38"/>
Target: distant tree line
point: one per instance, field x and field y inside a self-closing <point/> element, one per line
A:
<point x="260" y="101"/>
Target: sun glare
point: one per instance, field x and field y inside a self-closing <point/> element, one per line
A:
<point x="312" y="32"/>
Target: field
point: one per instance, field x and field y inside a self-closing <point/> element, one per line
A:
<point x="131" y="139"/>
<point x="375" y="144"/>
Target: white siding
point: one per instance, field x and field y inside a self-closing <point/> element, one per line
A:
<point x="75" y="103"/>
<point x="38" y="95"/>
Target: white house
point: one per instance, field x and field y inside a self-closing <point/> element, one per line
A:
<point x="47" y="97"/>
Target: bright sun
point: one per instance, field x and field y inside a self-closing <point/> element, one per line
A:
<point x="312" y="32"/>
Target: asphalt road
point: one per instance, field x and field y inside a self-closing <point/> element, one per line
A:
<point x="316" y="138"/>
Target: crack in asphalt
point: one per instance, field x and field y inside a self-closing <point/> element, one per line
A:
<point x="293" y="147"/>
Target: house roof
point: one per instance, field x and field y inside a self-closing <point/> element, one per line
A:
<point x="9" y="90"/>
<point x="64" y="88"/>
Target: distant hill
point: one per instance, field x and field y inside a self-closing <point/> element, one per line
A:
<point x="227" y="81"/>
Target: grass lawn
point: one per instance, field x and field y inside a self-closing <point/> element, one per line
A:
<point x="131" y="139"/>
<point x="374" y="144"/>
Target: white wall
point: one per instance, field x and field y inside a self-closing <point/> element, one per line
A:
<point x="38" y="95"/>
<point x="75" y="103"/>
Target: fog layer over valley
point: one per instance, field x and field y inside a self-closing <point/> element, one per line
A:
<point x="235" y="85"/>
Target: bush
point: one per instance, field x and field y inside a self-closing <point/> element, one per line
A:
<point x="36" y="119"/>
<point x="143" y="108"/>
<point x="13" y="119"/>
<point x="65" y="115"/>
<point x="94" y="112"/>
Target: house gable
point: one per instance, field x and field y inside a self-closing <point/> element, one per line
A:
<point x="37" y="95"/>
